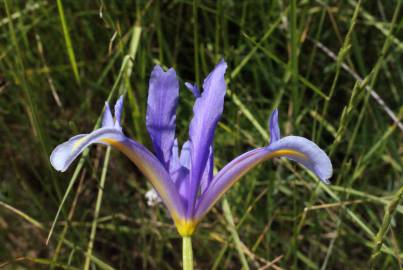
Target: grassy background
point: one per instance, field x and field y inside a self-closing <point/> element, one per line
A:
<point x="333" y="68"/>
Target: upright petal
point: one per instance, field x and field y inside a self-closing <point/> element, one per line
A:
<point x="180" y="177"/>
<point x="185" y="155"/>
<point x="295" y="148"/>
<point x="118" y="112"/>
<point x="193" y="88"/>
<point x="174" y="159"/>
<point x="179" y="173"/>
<point x="107" y="118"/>
<point x="182" y="162"/>
<point x="161" y="108"/>
<point x="273" y="127"/>
<point x="207" y="111"/>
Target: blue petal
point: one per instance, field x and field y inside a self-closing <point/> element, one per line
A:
<point x="161" y="109"/>
<point x="180" y="161"/>
<point x="179" y="168"/>
<point x="273" y="127"/>
<point x="118" y="112"/>
<point x="185" y="155"/>
<point x="64" y="154"/>
<point x="181" y="178"/>
<point x="208" y="172"/>
<point x="295" y="148"/>
<point x="174" y="160"/>
<point x="306" y="153"/>
<point x="107" y="119"/>
<point x="193" y="88"/>
<point x="207" y="112"/>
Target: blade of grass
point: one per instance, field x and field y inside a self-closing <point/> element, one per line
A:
<point x="41" y="261"/>
<point x="97" y="209"/>
<point x="234" y="233"/>
<point x="68" y="223"/>
<point x="345" y="48"/>
<point x="367" y="87"/>
<point x="67" y="39"/>
<point x="236" y="70"/>
<point x="272" y="56"/>
<point x="293" y="61"/>
<point x="371" y="79"/>
<point x="40" y="226"/>
<point x="390" y="210"/>
<point x="380" y="26"/>
<point x="30" y="105"/>
<point x="28" y="8"/>
<point x="196" y="41"/>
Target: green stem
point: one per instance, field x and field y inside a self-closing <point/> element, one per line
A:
<point x="187" y="253"/>
<point x="379" y="238"/>
<point x="235" y="236"/>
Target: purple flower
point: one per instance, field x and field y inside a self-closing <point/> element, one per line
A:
<point x="183" y="176"/>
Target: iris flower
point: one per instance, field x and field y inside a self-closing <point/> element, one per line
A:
<point x="183" y="176"/>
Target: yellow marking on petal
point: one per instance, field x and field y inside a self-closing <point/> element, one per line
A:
<point x="286" y="152"/>
<point x="278" y="153"/>
<point x="77" y="143"/>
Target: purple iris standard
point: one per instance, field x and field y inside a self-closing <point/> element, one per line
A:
<point x="184" y="177"/>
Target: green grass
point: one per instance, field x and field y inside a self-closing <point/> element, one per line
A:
<point x="333" y="68"/>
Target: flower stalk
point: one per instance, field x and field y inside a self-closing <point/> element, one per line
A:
<point x="187" y="253"/>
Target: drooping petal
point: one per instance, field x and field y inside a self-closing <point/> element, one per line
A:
<point x="107" y="118"/>
<point x="306" y="153"/>
<point x="273" y="127"/>
<point x="207" y="111"/>
<point x="296" y="148"/>
<point x="64" y="154"/>
<point x="161" y="108"/>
